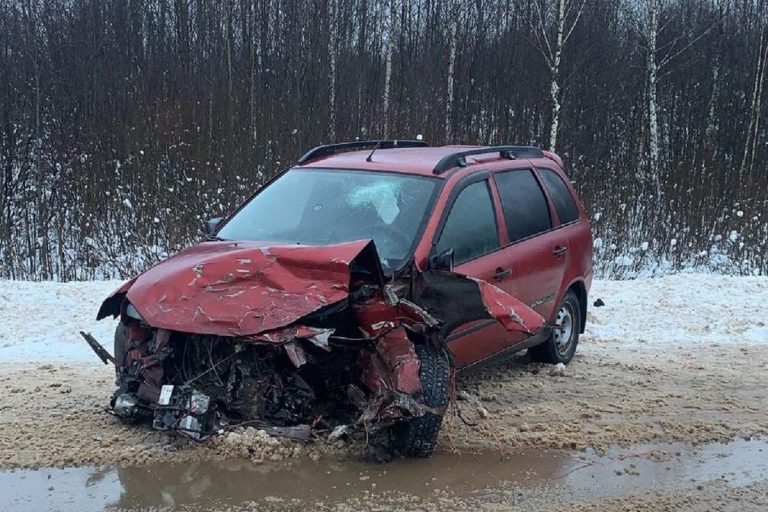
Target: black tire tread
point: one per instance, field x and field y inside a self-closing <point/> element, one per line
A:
<point x="119" y="346"/>
<point x="417" y="437"/>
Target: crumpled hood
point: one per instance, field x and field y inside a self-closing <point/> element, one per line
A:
<point x="242" y="288"/>
<point x="246" y="288"/>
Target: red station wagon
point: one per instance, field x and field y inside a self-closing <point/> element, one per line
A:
<point x="339" y="297"/>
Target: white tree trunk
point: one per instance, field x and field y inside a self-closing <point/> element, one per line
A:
<point x="753" y="132"/>
<point x="554" y="89"/>
<point x="388" y="64"/>
<point x="332" y="72"/>
<point x="451" y="78"/>
<point x="712" y="121"/>
<point x="652" y="70"/>
<point x="255" y="50"/>
<point x="711" y="116"/>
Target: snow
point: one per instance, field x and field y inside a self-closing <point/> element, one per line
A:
<point x="40" y="321"/>
<point x="702" y="309"/>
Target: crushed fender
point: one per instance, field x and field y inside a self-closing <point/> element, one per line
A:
<point x="292" y="339"/>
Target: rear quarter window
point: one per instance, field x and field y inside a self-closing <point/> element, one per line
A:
<point x="526" y="211"/>
<point x="561" y="197"/>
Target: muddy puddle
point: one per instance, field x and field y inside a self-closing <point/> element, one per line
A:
<point x="620" y="471"/>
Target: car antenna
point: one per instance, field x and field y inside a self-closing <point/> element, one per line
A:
<point x="370" y="155"/>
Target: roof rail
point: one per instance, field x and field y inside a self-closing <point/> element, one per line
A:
<point x="459" y="159"/>
<point x="332" y="149"/>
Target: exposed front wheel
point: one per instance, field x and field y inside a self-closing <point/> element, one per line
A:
<point x="120" y="336"/>
<point x="417" y="437"/>
<point x="561" y="344"/>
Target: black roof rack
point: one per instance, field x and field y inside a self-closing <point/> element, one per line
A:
<point x="332" y="149"/>
<point x="459" y="159"/>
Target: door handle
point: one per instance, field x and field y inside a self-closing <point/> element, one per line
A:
<point x="501" y="273"/>
<point x="559" y="250"/>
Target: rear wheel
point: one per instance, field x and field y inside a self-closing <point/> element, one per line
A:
<point x="417" y="437"/>
<point x="561" y="345"/>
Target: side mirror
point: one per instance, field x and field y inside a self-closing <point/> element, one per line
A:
<point x="442" y="261"/>
<point x="211" y="225"/>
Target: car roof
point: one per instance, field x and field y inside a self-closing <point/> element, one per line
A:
<point x="419" y="161"/>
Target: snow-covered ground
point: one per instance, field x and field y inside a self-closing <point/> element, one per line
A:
<point x="41" y="321"/>
<point x="681" y="308"/>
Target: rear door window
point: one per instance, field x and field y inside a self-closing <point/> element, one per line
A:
<point x="561" y="197"/>
<point x="526" y="211"/>
<point x="470" y="228"/>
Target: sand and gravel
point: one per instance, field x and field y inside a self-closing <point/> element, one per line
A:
<point x="54" y="414"/>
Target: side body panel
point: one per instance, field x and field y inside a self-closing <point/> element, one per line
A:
<point x="538" y="276"/>
<point x="474" y="341"/>
<point x="577" y="238"/>
<point x="536" y="271"/>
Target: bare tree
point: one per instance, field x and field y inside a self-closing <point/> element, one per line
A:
<point x="658" y="58"/>
<point x="391" y="27"/>
<point x="652" y="75"/>
<point x="142" y="118"/>
<point x="332" y="51"/>
<point x="748" y="160"/>
<point x="452" y="43"/>
<point x="564" y="15"/>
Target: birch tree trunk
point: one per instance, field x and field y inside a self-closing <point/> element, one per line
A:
<point x="451" y="77"/>
<point x="748" y="160"/>
<point x="554" y="88"/>
<point x="565" y="19"/>
<point x="652" y="74"/>
<point x="332" y="72"/>
<point x="252" y="92"/>
<point x="713" y="99"/>
<point x="391" y="22"/>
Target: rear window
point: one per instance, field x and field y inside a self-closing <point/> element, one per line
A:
<point x="526" y="211"/>
<point x="564" y="203"/>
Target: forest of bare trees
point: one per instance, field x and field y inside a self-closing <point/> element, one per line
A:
<point x="125" y="123"/>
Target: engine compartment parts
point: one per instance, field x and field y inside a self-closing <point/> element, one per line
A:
<point x="297" y="340"/>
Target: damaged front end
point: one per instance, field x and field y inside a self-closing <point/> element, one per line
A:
<point x="289" y="339"/>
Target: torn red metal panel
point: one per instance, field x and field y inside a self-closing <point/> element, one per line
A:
<point x="243" y="288"/>
<point x="391" y="373"/>
<point x="402" y="363"/>
<point x="508" y="310"/>
<point x="458" y="300"/>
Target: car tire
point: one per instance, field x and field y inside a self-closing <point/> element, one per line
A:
<point x="561" y="344"/>
<point x="417" y="437"/>
<point x="119" y="346"/>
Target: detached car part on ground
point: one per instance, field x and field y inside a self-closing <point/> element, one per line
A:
<point x="294" y="338"/>
<point x="290" y="317"/>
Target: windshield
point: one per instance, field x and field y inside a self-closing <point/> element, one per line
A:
<point x="329" y="206"/>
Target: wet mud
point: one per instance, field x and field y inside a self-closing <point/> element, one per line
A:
<point x="577" y="477"/>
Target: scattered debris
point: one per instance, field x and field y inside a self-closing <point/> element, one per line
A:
<point x="557" y="370"/>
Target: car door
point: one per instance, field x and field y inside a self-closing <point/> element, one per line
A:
<point x="534" y="258"/>
<point x="470" y="226"/>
